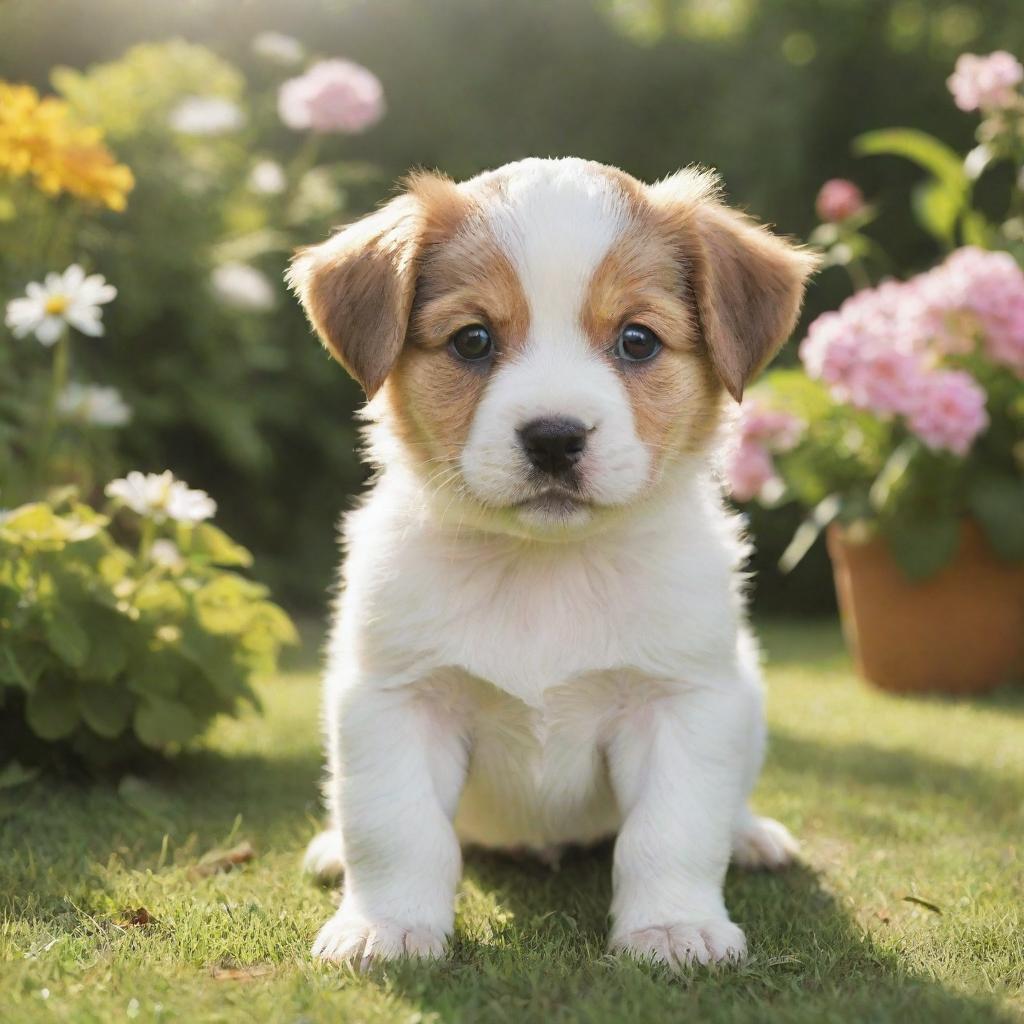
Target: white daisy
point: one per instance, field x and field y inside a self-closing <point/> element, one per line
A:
<point x="94" y="405"/>
<point x="206" y="115"/>
<point x="162" y="497"/>
<point x="68" y="298"/>
<point x="243" y="287"/>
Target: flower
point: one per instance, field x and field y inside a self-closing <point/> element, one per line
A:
<point x="68" y="298"/>
<point x="267" y="177"/>
<point x="206" y="115"/>
<point x="165" y="553"/>
<point x="748" y="471"/>
<point x="243" y="287"/>
<point x="948" y="411"/>
<point x="93" y="405"/>
<point x="761" y="432"/>
<point x="985" y="83"/>
<point x="838" y="200"/>
<point x="278" y="48"/>
<point x="162" y="497"/>
<point x="39" y="138"/>
<point x="332" y="96"/>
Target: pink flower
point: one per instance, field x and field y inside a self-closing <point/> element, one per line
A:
<point x="749" y="468"/>
<point x="949" y="411"/>
<point x="332" y="96"/>
<point x="885" y="382"/>
<point x="985" y="83"/>
<point x="838" y="200"/>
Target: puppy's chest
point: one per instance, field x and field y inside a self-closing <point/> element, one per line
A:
<point x="531" y="626"/>
<point x="538" y="775"/>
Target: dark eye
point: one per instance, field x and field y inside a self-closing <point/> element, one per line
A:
<point x="637" y="344"/>
<point x="472" y="343"/>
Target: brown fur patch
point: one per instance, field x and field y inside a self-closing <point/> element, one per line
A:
<point x="463" y="279"/>
<point x="747" y="283"/>
<point x="642" y="279"/>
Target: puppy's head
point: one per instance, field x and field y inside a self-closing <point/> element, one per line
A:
<point x="545" y="339"/>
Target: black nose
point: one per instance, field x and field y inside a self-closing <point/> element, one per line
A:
<point x="554" y="444"/>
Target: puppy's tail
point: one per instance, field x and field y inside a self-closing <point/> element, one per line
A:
<point x="325" y="856"/>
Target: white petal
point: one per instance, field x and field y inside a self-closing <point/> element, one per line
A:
<point x="34" y="290"/>
<point x="50" y="330"/>
<point x="73" y="278"/>
<point x="86" y="320"/>
<point x="53" y="282"/>
<point x="95" y="290"/>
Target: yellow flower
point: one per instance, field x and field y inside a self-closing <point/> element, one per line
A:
<point x="40" y="138"/>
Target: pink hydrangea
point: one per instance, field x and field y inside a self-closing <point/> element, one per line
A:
<point x="948" y="411"/>
<point x="985" y="83"/>
<point x="750" y="468"/>
<point x="838" y="200"/>
<point x="332" y="96"/>
<point x="880" y="351"/>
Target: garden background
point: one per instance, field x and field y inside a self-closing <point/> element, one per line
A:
<point x="244" y="403"/>
<point x="152" y="820"/>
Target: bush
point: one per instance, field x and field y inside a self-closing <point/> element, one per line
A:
<point x="110" y="651"/>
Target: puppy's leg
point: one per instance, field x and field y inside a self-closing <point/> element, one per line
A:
<point x="399" y="767"/>
<point x="325" y="856"/>
<point x="760" y="843"/>
<point x="679" y="770"/>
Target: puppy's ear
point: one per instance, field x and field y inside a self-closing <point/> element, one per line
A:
<point x="748" y="284"/>
<point x="357" y="288"/>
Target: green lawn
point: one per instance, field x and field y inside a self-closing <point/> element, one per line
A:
<point x="893" y="798"/>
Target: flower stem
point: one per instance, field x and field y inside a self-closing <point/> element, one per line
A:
<point x="58" y="381"/>
<point x="146" y="538"/>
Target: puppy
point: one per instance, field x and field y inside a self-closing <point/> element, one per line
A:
<point x="540" y="637"/>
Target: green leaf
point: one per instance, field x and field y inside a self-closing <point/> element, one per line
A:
<point x="159" y="722"/>
<point x="919" y="147"/>
<point x="23" y="666"/>
<point x="808" y="532"/>
<point x="998" y="504"/>
<point x="937" y="208"/>
<point x="66" y="637"/>
<point x="51" y="710"/>
<point x="14" y="774"/>
<point x="922" y="546"/>
<point x="105" y="709"/>
<point x="217" y="547"/>
<point x="158" y="675"/>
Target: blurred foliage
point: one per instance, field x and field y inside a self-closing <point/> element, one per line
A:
<point x="768" y="91"/>
<point x="109" y="652"/>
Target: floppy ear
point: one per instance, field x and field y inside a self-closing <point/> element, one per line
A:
<point x="357" y="288"/>
<point x="748" y="284"/>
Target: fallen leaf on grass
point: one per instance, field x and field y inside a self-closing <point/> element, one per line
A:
<point x="241" y="973"/>
<point x="219" y="862"/>
<point x="139" y="917"/>
<point x="933" y="907"/>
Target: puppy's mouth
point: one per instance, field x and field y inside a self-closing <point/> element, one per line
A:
<point x="554" y="502"/>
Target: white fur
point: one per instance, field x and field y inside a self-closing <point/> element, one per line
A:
<point x="489" y="682"/>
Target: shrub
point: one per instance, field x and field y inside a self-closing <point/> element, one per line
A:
<point x="111" y="650"/>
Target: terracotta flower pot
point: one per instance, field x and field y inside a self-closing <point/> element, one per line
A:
<point x="960" y="631"/>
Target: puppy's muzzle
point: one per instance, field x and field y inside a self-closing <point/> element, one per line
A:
<point x="553" y="444"/>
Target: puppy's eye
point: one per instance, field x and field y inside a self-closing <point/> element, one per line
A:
<point x="637" y="344"/>
<point x="472" y="343"/>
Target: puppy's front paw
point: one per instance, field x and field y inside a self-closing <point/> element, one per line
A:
<point x="763" y="843"/>
<point x="682" y="943"/>
<point x="347" y="938"/>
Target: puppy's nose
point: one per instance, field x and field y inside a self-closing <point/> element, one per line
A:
<point x="553" y="444"/>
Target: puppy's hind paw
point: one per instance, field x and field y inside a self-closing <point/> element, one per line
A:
<point x="346" y="938"/>
<point x="763" y="843"/>
<point x="323" y="859"/>
<point x="684" y="943"/>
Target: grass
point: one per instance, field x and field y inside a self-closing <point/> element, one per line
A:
<point x="894" y="799"/>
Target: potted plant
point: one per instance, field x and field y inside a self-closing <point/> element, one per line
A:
<point x="903" y="433"/>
